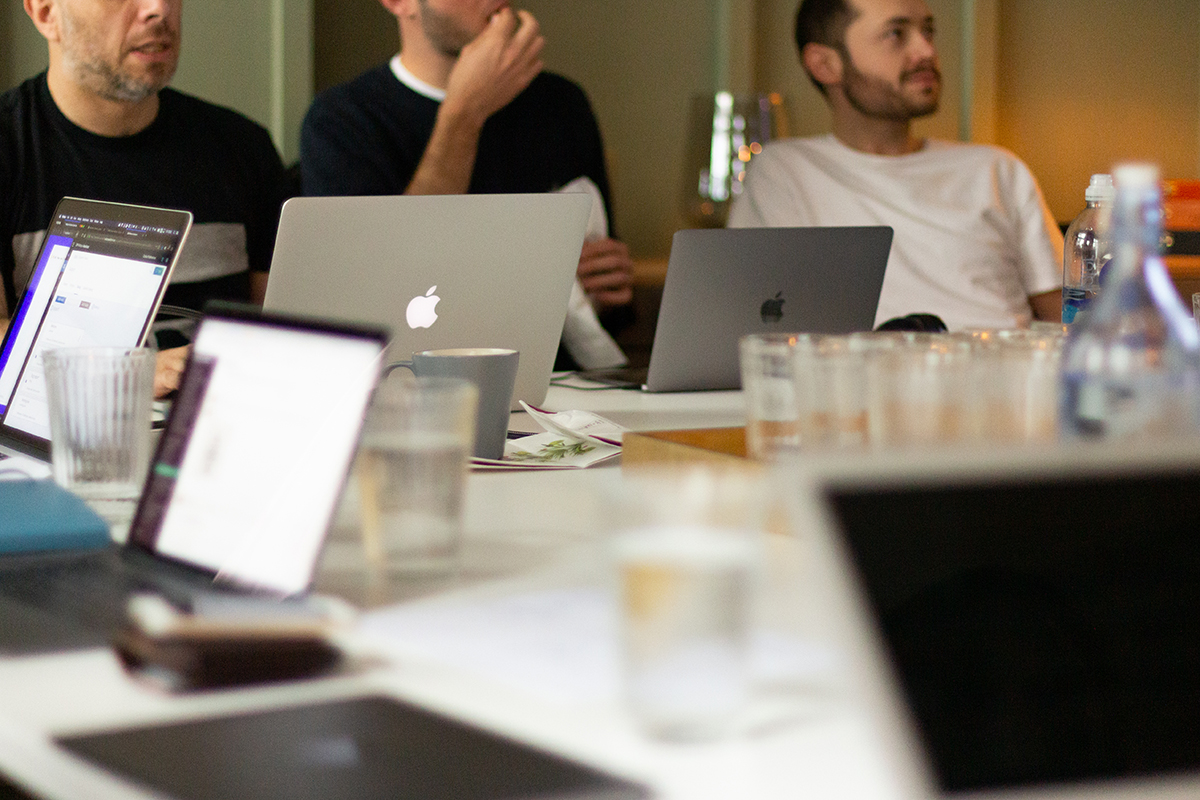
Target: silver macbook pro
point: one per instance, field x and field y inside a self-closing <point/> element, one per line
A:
<point x="98" y="280"/>
<point x="440" y="271"/>
<point x="1018" y="624"/>
<point x="724" y="283"/>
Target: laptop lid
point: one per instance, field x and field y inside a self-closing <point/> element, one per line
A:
<point x="98" y="280"/>
<point x="722" y="284"/>
<point x="341" y="749"/>
<point x="1023" y="624"/>
<point x="248" y="472"/>
<point x="440" y="271"/>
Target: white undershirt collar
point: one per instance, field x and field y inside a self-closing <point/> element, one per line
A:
<point x="413" y="82"/>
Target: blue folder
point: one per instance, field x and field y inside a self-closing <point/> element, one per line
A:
<point x="40" y="515"/>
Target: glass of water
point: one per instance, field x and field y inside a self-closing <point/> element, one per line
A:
<point x="687" y="559"/>
<point x="99" y="402"/>
<point x="411" y="474"/>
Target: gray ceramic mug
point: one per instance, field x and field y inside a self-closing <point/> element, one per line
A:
<point x="492" y="370"/>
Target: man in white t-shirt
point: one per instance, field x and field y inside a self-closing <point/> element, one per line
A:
<point x="974" y="242"/>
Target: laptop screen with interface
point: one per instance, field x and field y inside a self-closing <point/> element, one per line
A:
<point x="98" y="280"/>
<point x="249" y="470"/>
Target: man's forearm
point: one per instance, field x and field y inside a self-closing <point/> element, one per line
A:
<point x="449" y="157"/>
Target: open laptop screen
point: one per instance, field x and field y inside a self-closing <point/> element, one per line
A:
<point x="1043" y="631"/>
<point x="248" y="472"/>
<point x="98" y="280"/>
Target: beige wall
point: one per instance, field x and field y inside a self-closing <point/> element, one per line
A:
<point x="22" y="50"/>
<point x="1082" y="84"/>
<point x="640" y="63"/>
<point x="352" y="36"/>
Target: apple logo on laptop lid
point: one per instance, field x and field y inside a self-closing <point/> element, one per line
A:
<point x="420" y="312"/>
<point x="772" y="308"/>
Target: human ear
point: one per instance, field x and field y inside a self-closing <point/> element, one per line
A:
<point x="44" y="14"/>
<point x="823" y="63"/>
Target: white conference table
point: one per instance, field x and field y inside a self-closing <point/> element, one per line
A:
<point x="538" y="538"/>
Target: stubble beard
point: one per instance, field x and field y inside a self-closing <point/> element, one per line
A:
<point x="105" y="79"/>
<point x="445" y="34"/>
<point x="875" y="97"/>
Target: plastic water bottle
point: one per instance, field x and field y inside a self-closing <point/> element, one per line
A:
<point x="1131" y="366"/>
<point x="1086" y="251"/>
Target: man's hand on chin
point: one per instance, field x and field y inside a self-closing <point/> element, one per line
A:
<point x="496" y="65"/>
<point x="168" y="369"/>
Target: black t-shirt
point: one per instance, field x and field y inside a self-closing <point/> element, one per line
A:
<point x="195" y="156"/>
<point x="367" y="136"/>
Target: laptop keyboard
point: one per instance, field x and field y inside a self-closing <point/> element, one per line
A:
<point x="60" y="601"/>
<point x="89" y="588"/>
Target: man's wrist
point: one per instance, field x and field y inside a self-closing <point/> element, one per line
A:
<point x="461" y="117"/>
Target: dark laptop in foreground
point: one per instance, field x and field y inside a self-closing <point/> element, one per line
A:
<point x="722" y="284"/>
<point x="1023" y="624"/>
<point x="98" y="279"/>
<point x="236" y="502"/>
<point x="362" y="748"/>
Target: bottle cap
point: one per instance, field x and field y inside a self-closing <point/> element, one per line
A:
<point x="1100" y="189"/>
<point x="1135" y="175"/>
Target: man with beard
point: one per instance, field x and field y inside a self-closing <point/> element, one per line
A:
<point x="465" y="107"/>
<point x="101" y="124"/>
<point x="974" y="242"/>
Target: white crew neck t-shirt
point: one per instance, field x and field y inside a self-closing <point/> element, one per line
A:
<point x="973" y="237"/>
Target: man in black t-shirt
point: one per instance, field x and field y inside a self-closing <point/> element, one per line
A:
<point x="101" y="124"/>
<point x="464" y="107"/>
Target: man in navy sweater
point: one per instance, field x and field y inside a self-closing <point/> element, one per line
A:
<point x="464" y="107"/>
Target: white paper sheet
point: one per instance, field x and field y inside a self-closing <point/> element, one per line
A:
<point x="560" y="645"/>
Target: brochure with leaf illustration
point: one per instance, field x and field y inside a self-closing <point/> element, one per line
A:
<point x="572" y="440"/>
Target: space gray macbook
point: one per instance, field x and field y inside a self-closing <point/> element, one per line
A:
<point x="1023" y="624"/>
<point x="442" y="271"/>
<point x="98" y="280"/>
<point x="722" y="284"/>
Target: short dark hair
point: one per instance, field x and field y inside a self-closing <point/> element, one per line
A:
<point x="822" y="22"/>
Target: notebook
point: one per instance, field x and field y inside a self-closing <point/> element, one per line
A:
<point x="722" y="284"/>
<point x="440" y="271"/>
<point x="236" y="501"/>
<point x="1023" y="624"/>
<point x="98" y="280"/>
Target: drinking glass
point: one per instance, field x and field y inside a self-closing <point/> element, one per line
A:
<point x="686" y="563"/>
<point x="411" y="474"/>
<point x="99" y="399"/>
<point x="769" y="390"/>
